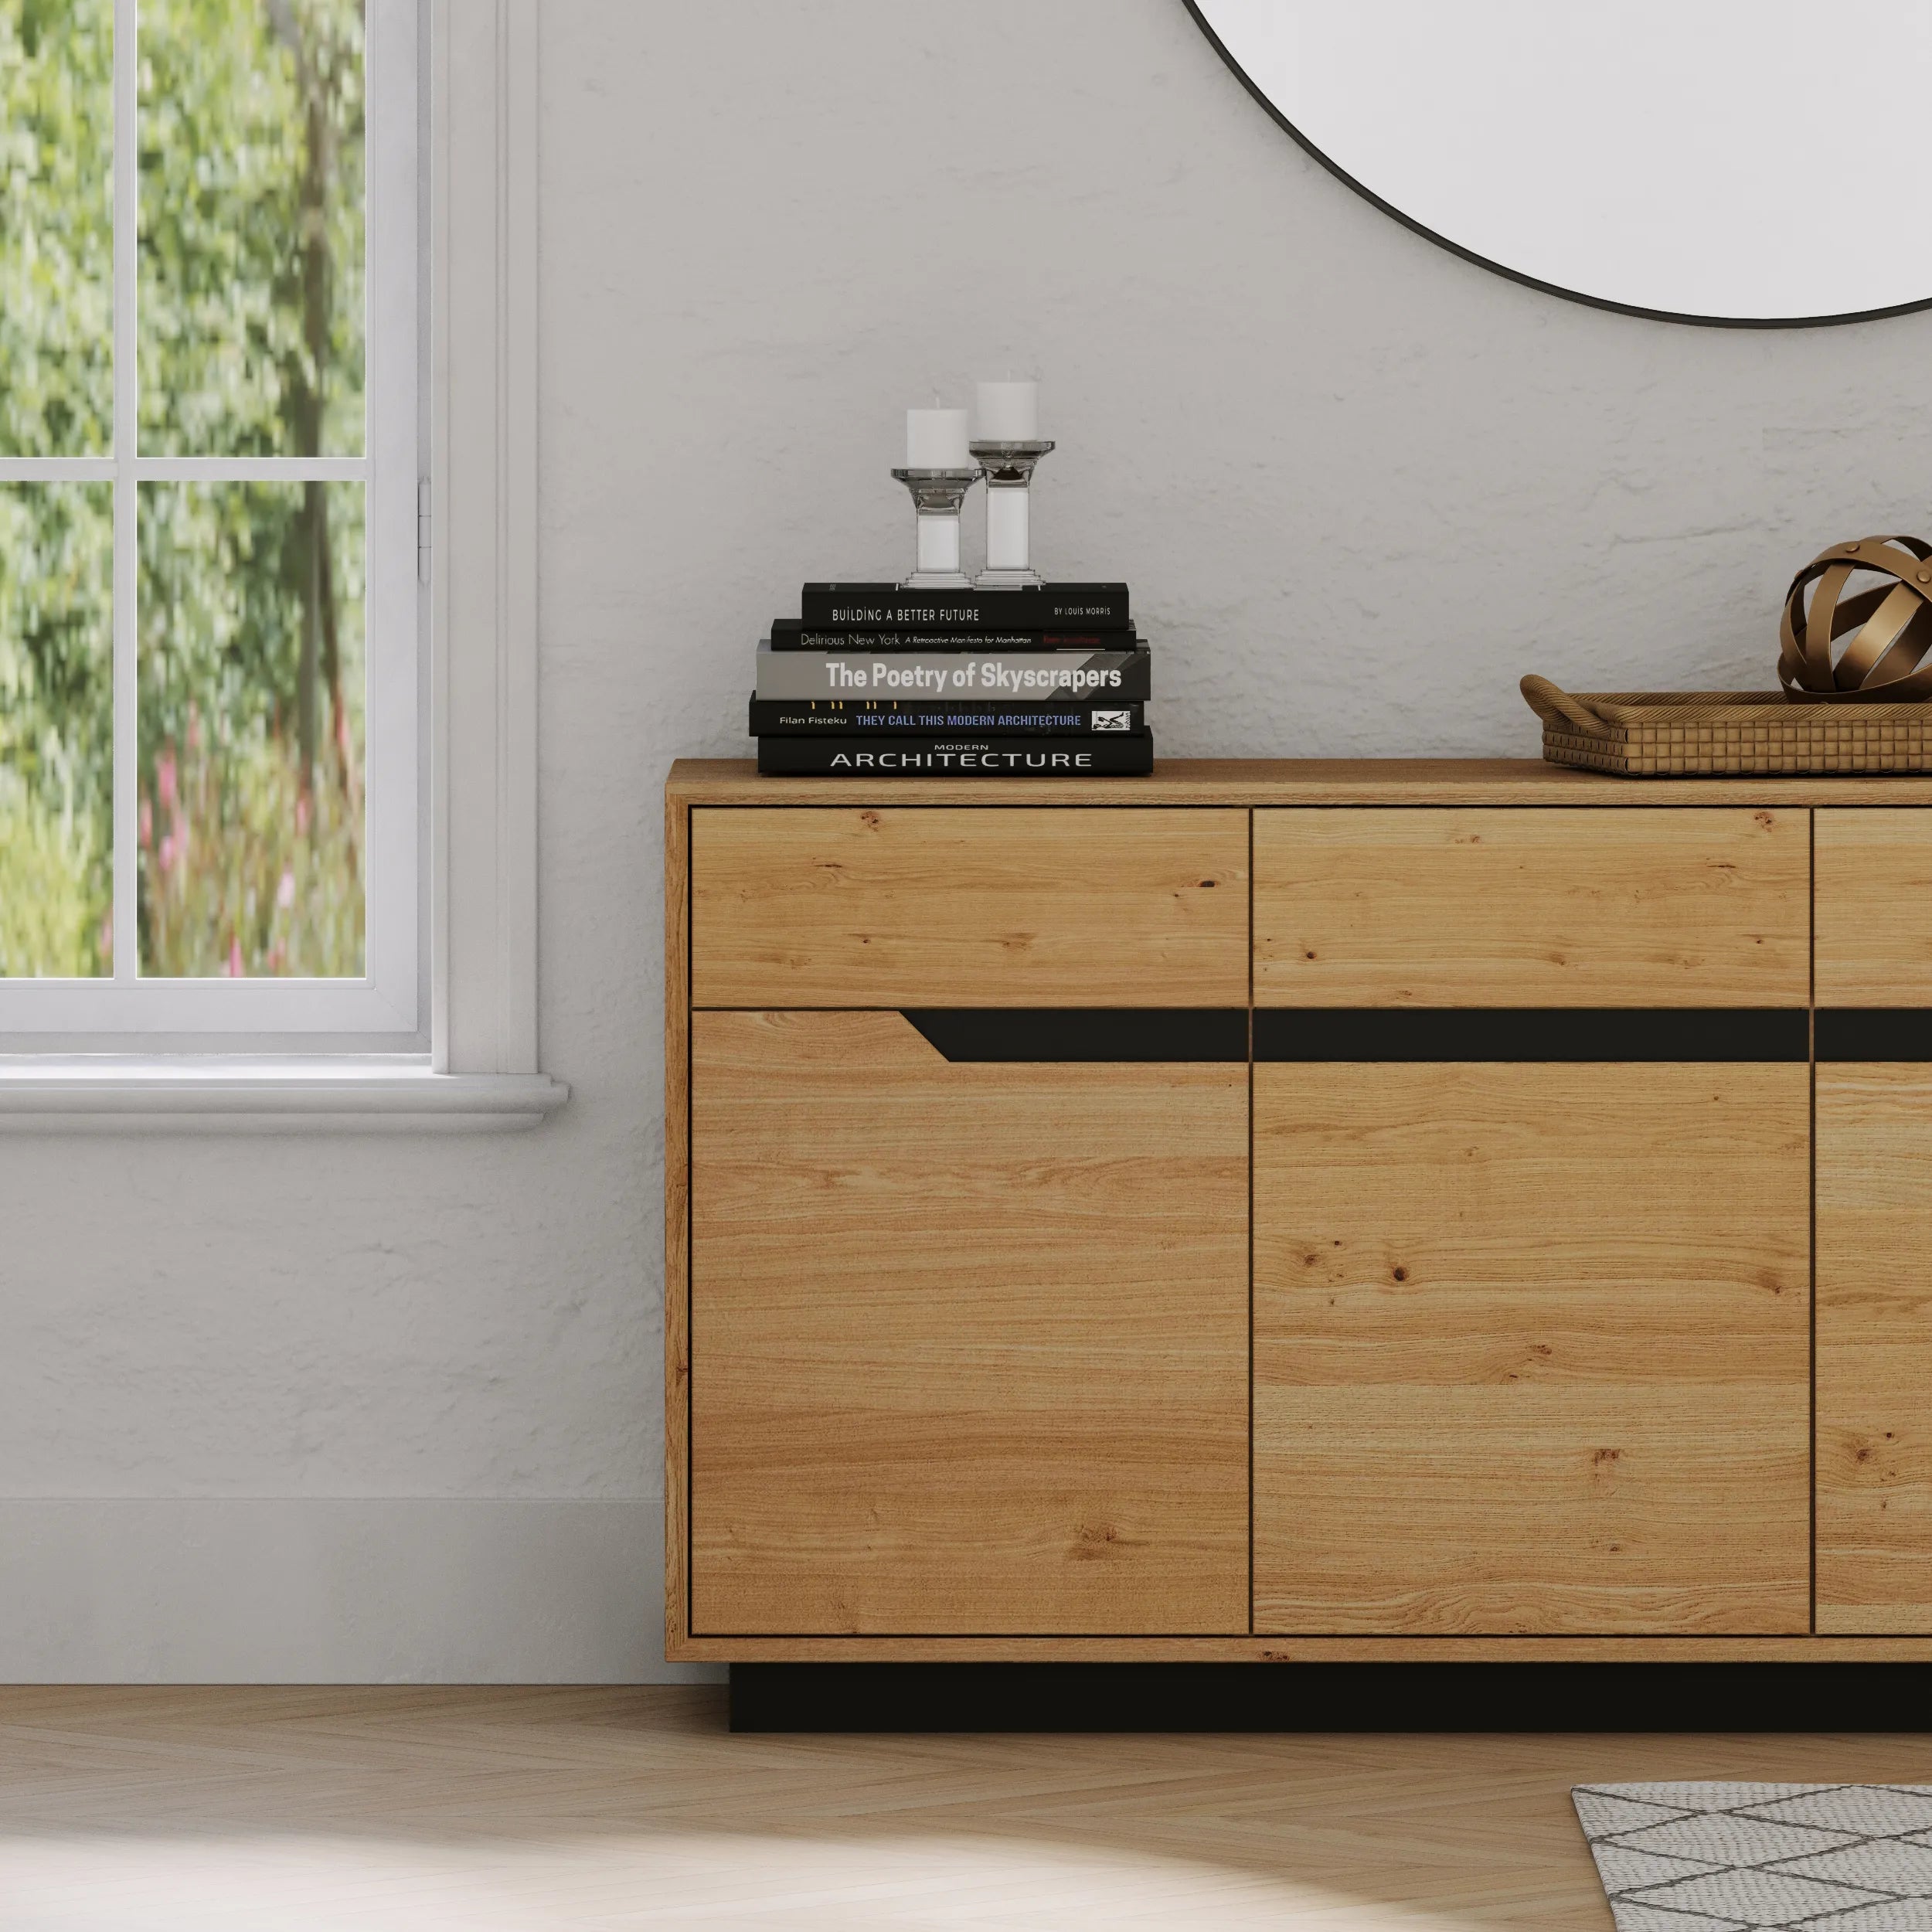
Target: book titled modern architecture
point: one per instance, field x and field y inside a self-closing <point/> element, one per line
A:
<point x="920" y="757"/>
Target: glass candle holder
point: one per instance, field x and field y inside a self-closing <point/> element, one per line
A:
<point x="937" y="496"/>
<point x="1008" y="470"/>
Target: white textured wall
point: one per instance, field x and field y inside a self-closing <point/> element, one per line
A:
<point x="377" y="1408"/>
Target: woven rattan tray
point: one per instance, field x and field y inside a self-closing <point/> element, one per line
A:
<point x="1711" y="734"/>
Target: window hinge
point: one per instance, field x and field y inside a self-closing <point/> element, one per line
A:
<point x="422" y="529"/>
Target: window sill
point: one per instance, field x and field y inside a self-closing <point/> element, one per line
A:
<point x="133" y="1093"/>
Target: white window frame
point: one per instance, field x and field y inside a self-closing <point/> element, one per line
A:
<point x="475" y="1062"/>
<point x="384" y="1000"/>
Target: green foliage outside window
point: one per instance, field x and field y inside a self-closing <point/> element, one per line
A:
<point x="249" y="655"/>
<point x="56" y="227"/>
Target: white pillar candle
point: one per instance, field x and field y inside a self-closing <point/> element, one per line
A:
<point x="1009" y="541"/>
<point x="938" y="544"/>
<point x="1008" y="412"/>
<point x="936" y="439"/>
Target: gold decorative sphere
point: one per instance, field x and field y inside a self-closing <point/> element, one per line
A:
<point x="1886" y="628"/>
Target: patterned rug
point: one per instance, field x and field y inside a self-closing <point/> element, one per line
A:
<point x="1762" y="1857"/>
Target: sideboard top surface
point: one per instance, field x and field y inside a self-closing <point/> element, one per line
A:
<point x="1291" y="781"/>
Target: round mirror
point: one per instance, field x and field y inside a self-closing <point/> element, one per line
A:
<point x="1750" y="162"/>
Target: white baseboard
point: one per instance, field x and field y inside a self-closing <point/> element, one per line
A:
<point x="289" y="1590"/>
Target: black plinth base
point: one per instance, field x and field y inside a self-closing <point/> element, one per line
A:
<point x="1331" y="1697"/>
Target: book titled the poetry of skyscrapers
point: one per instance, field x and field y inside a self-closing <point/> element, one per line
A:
<point x="872" y="680"/>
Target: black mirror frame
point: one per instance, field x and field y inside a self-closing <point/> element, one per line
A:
<point x="1516" y="274"/>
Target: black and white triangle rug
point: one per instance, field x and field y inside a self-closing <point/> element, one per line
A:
<point x="1762" y="1857"/>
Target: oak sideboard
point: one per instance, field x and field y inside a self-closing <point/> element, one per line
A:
<point x="1289" y="1211"/>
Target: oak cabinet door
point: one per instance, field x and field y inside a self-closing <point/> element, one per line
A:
<point x="1874" y="1347"/>
<point x="969" y="1340"/>
<point x="1874" y="967"/>
<point x="1532" y="1348"/>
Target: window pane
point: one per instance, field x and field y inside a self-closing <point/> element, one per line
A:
<point x="56" y="227"/>
<point x="250" y="833"/>
<point x="251" y="227"/>
<point x="56" y="726"/>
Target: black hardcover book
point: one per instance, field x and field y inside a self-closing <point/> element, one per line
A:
<point x="772" y="717"/>
<point x="959" y="756"/>
<point x="885" y="606"/>
<point x="792" y="633"/>
<point x="959" y="677"/>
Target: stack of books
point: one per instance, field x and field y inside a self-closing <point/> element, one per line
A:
<point x="1048" y="682"/>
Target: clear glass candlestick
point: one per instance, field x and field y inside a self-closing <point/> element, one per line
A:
<point x="1008" y="471"/>
<point x="937" y="496"/>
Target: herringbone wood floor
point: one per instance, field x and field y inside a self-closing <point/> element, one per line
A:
<point x="494" y="1810"/>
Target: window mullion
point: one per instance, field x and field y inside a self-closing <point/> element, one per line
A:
<point x="126" y="506"/>
<point x="250" y="469"/>
<point x="56" y="469"/>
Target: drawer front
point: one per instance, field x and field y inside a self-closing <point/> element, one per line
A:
<point x="1874" y="907"/>
<point x="886" y="906"/>
<point x="1602" y="907"/>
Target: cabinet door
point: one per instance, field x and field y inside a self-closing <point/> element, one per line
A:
<point x="1532" y="1348"/>
<point x="1874" y="1033"/>
<point x="969" y="1345"/>
<point x="1875" y="1350"/>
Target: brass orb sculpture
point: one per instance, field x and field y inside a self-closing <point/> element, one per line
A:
<point x="1889" y="626"/>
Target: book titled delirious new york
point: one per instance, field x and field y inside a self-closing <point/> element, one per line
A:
<point x="791" y="633"/>
<point x="885" y="606"/>
<point x="772" y="716"/>
<point x="1093" y="677"/>
<point x="957" y="756"/>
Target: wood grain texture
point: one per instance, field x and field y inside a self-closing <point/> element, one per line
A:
<point x="620" y="1809"/>
<point x="1296" y="781"/>
<point x="1557" y="1648"/>
<point x="969" y="1343"/>
<point x="883" y="907"/>
<point x="677" y="1216"/>
<point x="1874" y="1349"/>
<point x="1531" y="1350"/>
<point x="1874" y="891"/>
<point x="1488" y="907"/>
